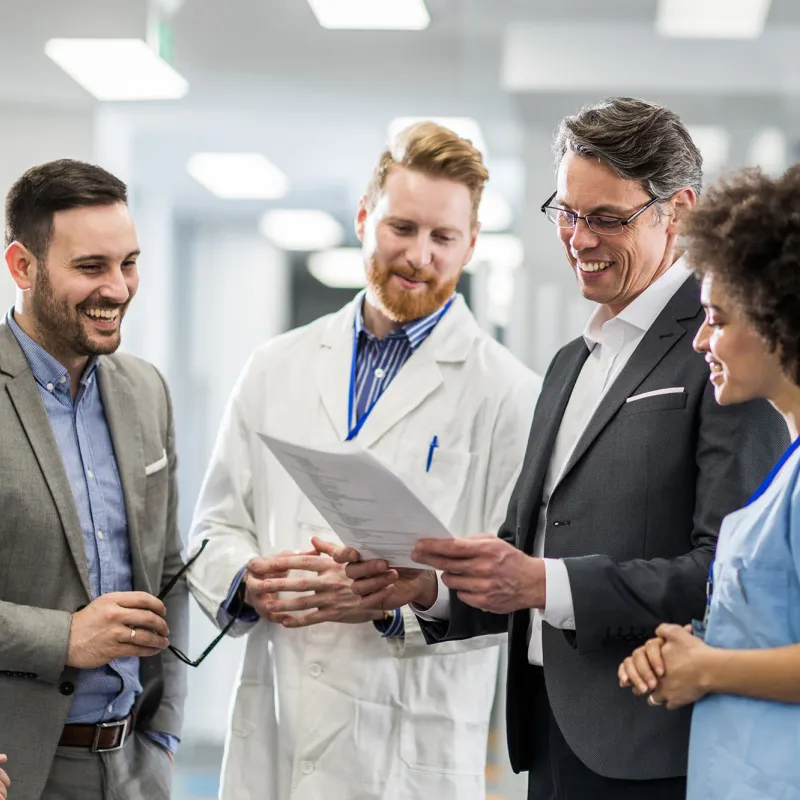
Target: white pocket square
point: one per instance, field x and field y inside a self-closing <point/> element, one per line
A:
<point x="157" y="465"/>
<point x="655" y="393"/>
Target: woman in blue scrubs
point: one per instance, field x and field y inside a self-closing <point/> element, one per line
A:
<point x="741" y="665"/>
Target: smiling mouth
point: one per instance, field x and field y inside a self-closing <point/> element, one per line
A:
<point x="102" y="314"/>
<point x="415" y="281"/>
<point x="594" y="266"/>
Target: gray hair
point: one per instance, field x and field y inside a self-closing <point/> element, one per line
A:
<point x="640" y="141"/>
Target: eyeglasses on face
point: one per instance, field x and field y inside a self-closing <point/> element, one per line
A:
<point x="235" y="609"/>
<point x="603" y="224"/>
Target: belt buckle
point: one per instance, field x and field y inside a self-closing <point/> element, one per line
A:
<point x="121" y="723"/>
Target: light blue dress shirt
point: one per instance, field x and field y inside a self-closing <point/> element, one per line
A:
<point x="742" y="748"/>
<point x="84" y="441"/>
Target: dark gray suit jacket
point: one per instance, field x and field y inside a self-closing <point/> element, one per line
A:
<point x="43" y="573"/>
<point x="635" y="517"/>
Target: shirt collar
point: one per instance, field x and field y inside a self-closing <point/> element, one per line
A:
<point x="642" y="312"/>
<point x="45" y="369"/>
<point x="416" y="331"/>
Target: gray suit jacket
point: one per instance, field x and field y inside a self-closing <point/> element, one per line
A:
<point x="635" y="517"/>
<point x="43" y="574"/>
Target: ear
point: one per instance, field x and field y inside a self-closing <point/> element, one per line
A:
<point x="472" y="241"/>
<point x="361" y="218"/>
<point x="682" y="203"/>
<point x="21" y="264"/>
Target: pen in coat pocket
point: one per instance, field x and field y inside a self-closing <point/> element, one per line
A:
<point x="433" y="446"/>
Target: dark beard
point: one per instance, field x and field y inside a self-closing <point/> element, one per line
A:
<point x="59" y="326"/>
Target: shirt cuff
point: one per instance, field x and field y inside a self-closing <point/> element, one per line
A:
<point x="247" y="614"/>
<point x="166" y="740"/>
<point x="440" y="610"/>
<point x="559" y="610"/>
<point x="393" y="627"/>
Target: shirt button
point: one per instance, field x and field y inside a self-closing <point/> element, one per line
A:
<point x="62" y="379"/>
<point x="99" y="534"/>
<point x="110" y="709"/>
<point x="306" y="767"/>
<point x="90" y="474"/>
<point x="379" y="373"/>
<point x="315" y="670"/>
<point x="50" y="387"/>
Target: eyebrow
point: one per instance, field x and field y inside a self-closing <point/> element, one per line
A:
<point x="102" y="257"/>
<point x="712" y="307"/>
<point x="405" y="221"/>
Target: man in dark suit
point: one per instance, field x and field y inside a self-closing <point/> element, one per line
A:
<point x="630" y="467"/>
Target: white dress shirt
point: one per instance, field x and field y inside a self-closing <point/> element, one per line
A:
<point x="611" y="341"/>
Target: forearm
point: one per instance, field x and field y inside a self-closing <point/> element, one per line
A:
<point x="772" y="674"/>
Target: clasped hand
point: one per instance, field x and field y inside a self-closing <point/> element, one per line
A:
<point x="670" y="668"/>
<point x="323" y="588"/>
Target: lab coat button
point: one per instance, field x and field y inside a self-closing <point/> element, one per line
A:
<point x="315" y="670"/>
<point x="306" y="767"/>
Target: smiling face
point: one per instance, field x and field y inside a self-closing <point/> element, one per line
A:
<point x="416" y="241"/>
<point x="614" y="269"/>
<point x="80" y="291"/>
<point x="741" y="364"/>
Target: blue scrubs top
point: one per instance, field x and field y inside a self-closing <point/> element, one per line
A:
<point x="741" y="748"/>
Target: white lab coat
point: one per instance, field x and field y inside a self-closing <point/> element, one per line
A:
<point x="334" y="711"/>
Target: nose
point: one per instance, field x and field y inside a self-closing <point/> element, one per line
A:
<point x="702" y="338"/>
<point x="582" y="237"/>
<point x="115" y="288"/>
<point x="419" y="252"/>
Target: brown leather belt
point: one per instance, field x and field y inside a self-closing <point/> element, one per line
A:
<point x="105" y="737"/>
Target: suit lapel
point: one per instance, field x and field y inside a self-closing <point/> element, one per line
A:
<point x="32" y="414"/>
<point x="126" y="436"/>
<point x="661" y="337"/>
<point x="541" y="445"/>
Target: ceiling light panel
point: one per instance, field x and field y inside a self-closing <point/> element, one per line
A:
<point x="340" y="268"/>
<point x="712" y="19"/>
<point x="117" y="69"/>
<point x="238" y="176"/>
<point x="409" y="15"/>
<point x="302" y="229"/>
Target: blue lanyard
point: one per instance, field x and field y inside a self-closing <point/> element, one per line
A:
<point x="355" y="426"/>
<point x="765" y="484"/>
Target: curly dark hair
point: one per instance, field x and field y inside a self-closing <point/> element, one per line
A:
<point x="746" y="232"/>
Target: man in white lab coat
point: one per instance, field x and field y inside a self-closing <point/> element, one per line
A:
<point x="334" y="701"/>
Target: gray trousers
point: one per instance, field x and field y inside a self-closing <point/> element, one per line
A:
<point x="142" y="770"/>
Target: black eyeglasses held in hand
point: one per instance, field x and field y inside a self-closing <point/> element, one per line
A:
<point x="235" y="609"/>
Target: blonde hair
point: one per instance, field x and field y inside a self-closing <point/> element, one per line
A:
<point x="436" y="151"/>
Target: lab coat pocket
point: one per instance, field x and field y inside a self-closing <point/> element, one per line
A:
<point x="447" y="703"/>
<point x="440" y="487"/>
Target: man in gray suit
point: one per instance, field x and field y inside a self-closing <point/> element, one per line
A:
<point x="90" y="705"/>
<point x="629" y="469"/>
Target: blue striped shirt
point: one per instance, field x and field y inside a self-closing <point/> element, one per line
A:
<point x="379" y="360"/>
<point x="84" y="441"/>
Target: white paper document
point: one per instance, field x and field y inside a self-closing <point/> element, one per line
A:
<point x="367" y="505"/>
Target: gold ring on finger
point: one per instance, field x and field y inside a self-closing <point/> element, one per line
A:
<point x="133" y="635"/>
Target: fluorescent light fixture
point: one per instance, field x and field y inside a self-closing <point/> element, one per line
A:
<point x="714" y="144"/>
<point x="117" y="69"/>
<point x="770" y="151"/>
<point x="465" y="127"/>
<point x="238" y="176"/>
<point x="712" y="19"/>
<point x="340" y="268"/>
<point x="494" y="213"/>
<point x="301" y="229"/>
<point x="500" y="251"/>
<point x="378" y="15"/>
